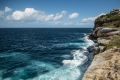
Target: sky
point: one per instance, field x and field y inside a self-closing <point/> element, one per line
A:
<point x="53" y="13"/>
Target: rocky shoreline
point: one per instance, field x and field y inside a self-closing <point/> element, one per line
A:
<point x="106" y="35"/>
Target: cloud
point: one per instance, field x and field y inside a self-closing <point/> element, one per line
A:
<point x="54" y="17"/>
<point x="29" y="15"/>
<point x="7" y="9"/>
<point x="1" y="15"/>
<point x="90" y="20"/>
<point x="32" y="14"/>
<point x="4" y="12"/>
<point x="74" y="15"/>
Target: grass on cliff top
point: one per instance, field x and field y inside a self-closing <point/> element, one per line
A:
<point x="115" y="42"/>
<point x="111" y="19"/>
<point x="115" y="24"/>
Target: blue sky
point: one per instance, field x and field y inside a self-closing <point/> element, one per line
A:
<point x="53" y="13"/>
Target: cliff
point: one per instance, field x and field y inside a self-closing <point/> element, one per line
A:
<point x="106" y="35"/>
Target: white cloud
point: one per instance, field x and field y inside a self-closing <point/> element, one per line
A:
<point x="36" y="15"/>
<point x="4" y="12"/>
<point x="55" y="17"/>
<point x="7" y="9"/>
<point x="29" y="15"/>
<point x="17" y="15"/>
<point x="1" y="14"/>
<point x="90" y="20"/>
<point x="74" y="15"/>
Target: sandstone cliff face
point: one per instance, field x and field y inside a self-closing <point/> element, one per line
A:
<point x="105" y="66"/>
<point x="106" y="62"/>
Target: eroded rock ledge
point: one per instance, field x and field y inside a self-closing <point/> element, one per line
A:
<point x="106" y="35"/>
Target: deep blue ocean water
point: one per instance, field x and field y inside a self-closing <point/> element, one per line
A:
<point x="44" y="54"/>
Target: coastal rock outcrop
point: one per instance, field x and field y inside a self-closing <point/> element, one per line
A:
<point x="106" y="35"/>
<point x="105" y="66"/>
<point x="104" y="32"/>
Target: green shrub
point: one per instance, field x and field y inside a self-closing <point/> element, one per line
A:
<point x="111" y="19"/>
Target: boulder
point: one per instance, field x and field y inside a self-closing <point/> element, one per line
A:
<point x="94" y="49"/>
<point x="91" y="48"/>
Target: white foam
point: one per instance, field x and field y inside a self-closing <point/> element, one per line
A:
<point x="39" y="64"/>
<point x="60" y="74"/>
<point x="88" y="41"/>
<point x="78" y="59"/>
<point x="7" y="79"/>
<point x="35" y="65"/>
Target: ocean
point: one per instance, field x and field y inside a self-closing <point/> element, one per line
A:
<point x="44" y="53"/>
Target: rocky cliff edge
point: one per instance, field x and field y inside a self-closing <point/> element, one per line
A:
<point x="106" y="35"/>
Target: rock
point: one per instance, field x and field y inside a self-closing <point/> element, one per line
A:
<point x="113" y="33"/>
<point x="96" y="50"/>
<point x="105" y="66"/>
<point x="91" y="36"/>
<point x="106" y="30"/>
<point x="91" y="48"/>
<point x="102" y="49"/>
<point x="106" y="62"/>
<point x="103" y="41"/>
<point x="95" y="32"/>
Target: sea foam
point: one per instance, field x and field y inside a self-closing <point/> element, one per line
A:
<point x="79" y="56"/>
